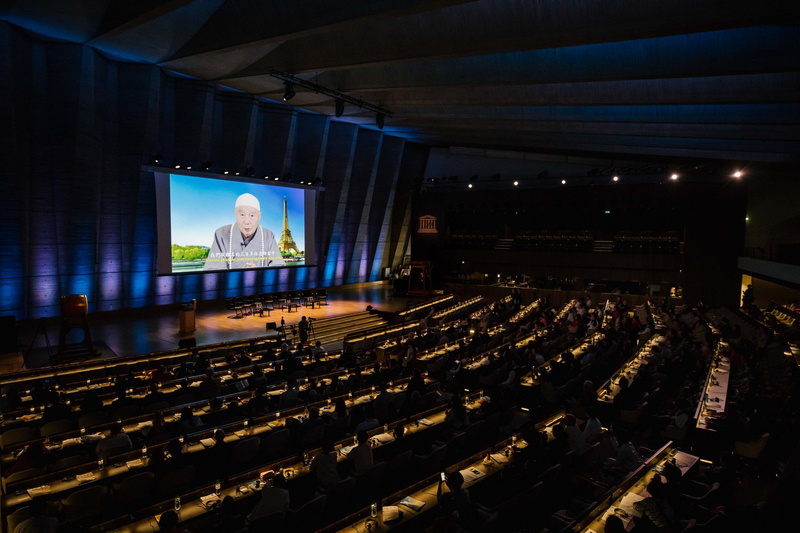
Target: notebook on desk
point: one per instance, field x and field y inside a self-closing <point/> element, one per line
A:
<point x="412" y="503"/>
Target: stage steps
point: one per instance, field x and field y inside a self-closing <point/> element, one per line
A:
<point x="331" y="331"/>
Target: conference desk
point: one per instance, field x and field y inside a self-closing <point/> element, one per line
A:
<point x="69" y="479"/>
<point x="633" y="489"/>
<point x="630" y="369"/>
<point x="402" y="507"/>
<point x="244" y="485"/>
<point x="715" y="393"/>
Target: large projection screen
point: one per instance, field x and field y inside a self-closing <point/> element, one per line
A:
<point x="209" y="223"/>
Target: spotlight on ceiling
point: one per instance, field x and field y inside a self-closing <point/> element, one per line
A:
<point x="615" y="178"/>
<point x="205" y="166"/>
<point x="288" y="94"/>
<point x="339" y="107"/>
<point x="470" y="185"/>
<point x="516" y="183"/>
<point x="156" y="160"/>
<point x="563" y="182"/>
<point x="379" y="120"/>
<point x="277" y="178"/>
<point x="738" y="174"/>
<point x="673" y="177"/>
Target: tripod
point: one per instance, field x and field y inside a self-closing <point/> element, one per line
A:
<point x="40" y="328"/>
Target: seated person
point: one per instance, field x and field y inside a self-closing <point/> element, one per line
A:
<point x="38" y="522"/>
<point x="274" y="498"/>
<point x="325" y="466"/>
<point x="459" y="498"/>
<point x="361" y="455"/>
<point x="170" y="523"/>
<point x="116" y="442"/>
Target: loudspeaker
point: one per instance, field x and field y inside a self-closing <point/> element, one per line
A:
<point x="189" y="342"/>
<point x="8" y="334"/>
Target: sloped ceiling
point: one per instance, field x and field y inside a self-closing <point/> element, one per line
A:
<point x="656" y="79"/>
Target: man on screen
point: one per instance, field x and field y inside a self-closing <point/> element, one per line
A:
<point x="244" y="244"/>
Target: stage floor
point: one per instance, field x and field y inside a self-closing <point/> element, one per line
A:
<point x="139" y="331"/>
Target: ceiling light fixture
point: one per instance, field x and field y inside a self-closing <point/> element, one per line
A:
<point x="615" y="178"/>
<point x="311" y="86"/>
<point x="289" y="93"/>
<point x="673" y="177"/>
<point x="737" y="174"/>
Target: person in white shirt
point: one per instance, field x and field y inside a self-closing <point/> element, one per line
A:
<point x="361" y="455"/>
<point x="593" y="427"/>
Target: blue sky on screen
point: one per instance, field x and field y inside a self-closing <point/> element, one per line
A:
<point x="198" y="206"/>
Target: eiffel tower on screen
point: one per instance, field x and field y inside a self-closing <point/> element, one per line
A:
<point x="286" y="243"/>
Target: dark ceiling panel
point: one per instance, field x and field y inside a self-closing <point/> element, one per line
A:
<point x="660" y="79"/>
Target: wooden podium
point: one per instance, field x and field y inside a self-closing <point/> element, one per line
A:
<point x="420" y="278"/>
<point x="75" y="315"/>
<point x="186" y="314"/>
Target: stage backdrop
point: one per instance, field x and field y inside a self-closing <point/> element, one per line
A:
<point x="78" y="208"/>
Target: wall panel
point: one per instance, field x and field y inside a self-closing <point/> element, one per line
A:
<point x="79" y="210"/>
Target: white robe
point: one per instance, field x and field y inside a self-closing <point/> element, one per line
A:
<point x="261" y="251"/>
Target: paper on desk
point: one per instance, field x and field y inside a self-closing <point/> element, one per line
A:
<point x="208" y="499"/>
<point x="500" y="458"/>
<point x="425" y="422"/>
<point x="93" y="437"/>
<point x="471" y="474"/>
<point x="208" y="443"/>
<point x="85" y="478"/>
<point x="39" y="491"/>
<point x="390" y="512"/>
<point x="136" y="463"/>
<point x="412" y="503"/>
<point x="625" y="510"/>
<point x="194" y="384"/>
<point x="384" y="438"/>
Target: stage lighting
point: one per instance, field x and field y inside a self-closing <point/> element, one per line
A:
<point x="379" y="120"/>
<point x="339" y="107"/>
<point x="205" y="166"/>
<point x="615" y="178"/>
<point x="288" y="94"/>
<point x="516" y="183"/>
<point x="673" y="177"/>
<point x="738" y="174"/>
<point x="563" y="182"/>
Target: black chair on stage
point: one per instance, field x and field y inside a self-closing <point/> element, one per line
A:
<point x="321" y="296"/>
<point x="308" y="299"/>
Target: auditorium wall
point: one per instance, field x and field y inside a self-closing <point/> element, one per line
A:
<point x="78" y="200"/>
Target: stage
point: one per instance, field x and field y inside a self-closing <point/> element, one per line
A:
<point x="139" y="331"/>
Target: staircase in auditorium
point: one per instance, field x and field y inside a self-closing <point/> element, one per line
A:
<point x="504" y="244"/>
<point x="603" y="246"/>
<point x="332" y="331"/>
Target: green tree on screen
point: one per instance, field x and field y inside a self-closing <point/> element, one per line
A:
<point x="189" y="253"/>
